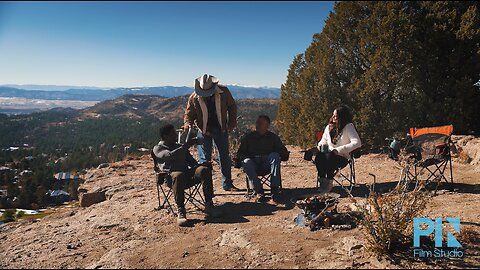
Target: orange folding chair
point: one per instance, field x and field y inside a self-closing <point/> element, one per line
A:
<point x="429" y="151"/>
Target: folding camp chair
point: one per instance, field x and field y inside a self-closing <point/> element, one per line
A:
<point x="351" y="174"/>
<point x="265" y="179"/>
<point x="350" y="163"/>
<point x="428" y="151"/>
<point x="193" y="194"/>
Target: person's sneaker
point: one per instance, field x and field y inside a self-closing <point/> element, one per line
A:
<point x="231" y="188"/>
<point x="212" y="211"/>
<point x="182" y="217"/>
<point x="277" y="198"/>
<point x="276" y="195"/>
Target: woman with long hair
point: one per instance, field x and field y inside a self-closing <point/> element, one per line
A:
<point x="333" y="151"/>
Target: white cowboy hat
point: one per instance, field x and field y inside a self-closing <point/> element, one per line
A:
<point x="205" y="86"/>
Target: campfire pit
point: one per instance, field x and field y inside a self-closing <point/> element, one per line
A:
<point x="320" y="211"/>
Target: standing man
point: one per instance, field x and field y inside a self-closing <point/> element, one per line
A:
<point x="212" y="109"/>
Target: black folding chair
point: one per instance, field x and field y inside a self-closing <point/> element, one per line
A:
<point x="265" y="179"/>
<point x="351" y="165"/>
<point x="193" y="194"/>
<point x="351" y="175"/>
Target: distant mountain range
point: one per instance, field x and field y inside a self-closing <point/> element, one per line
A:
<point x="51" y="87"/>
<point x="97" y="94"/>
<point x="170" y="109"/>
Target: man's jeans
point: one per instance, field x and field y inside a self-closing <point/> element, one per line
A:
<point x="205" y="153"/>
<point x="269" y="163"/>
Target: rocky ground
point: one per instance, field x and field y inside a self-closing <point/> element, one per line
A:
<point x="125" y="231"/>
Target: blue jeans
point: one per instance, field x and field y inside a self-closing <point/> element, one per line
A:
<point x="205" y="153"/>
<point x="269" y="163"/>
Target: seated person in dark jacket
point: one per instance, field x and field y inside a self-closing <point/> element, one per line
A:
<point x="262" y="151"/>
<point x="184" y="171"/>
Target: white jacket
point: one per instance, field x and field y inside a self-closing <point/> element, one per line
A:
<point x="348" y="141"/>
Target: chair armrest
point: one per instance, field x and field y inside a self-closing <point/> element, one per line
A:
<point x="356" y="153"/>
<point x="285" y="156"/>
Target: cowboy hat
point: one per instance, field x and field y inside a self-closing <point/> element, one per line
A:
<point x="205" y="86"/>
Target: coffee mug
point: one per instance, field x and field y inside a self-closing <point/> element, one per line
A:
<point x="324" y="148"/>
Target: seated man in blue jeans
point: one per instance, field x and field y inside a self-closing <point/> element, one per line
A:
<point x="262" y="151"/>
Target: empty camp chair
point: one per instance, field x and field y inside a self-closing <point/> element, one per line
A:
<point x="428" y="151"/>
<point x="193" y="194"/>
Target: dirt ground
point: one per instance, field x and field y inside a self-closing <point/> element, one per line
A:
<point x="126" y="232"/>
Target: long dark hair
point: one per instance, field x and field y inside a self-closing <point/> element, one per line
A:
<point x="344" y="117"/>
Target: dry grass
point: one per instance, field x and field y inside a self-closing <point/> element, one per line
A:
<point x="388" y="218"/>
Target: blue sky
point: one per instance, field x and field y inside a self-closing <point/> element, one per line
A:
<point x="113" y="44"/>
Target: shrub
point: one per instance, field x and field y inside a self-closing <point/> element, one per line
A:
<point x="8" y="215"/>
<point x="19" y="215"/>
<point x="388" y="218"/>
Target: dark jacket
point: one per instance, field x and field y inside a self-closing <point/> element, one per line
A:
<point x="253" y="144"/>
<point x="175" y="158"/>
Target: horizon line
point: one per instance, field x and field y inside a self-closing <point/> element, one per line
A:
<point x="110" y="88"/>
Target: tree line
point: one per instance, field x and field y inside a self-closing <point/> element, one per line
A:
<point x="395" y="64"/>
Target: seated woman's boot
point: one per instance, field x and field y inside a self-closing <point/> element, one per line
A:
<point x="323" y="184"/>
<point x="328" y="185"/>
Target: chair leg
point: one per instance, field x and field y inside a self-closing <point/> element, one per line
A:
<point x="440" y="168"/>
<point x="166" y="201"/>
<point x="159" y="201"/>
<point x="451" y="170"/>
<point x="443" y="169"/>
<point x="266" y="181"/>
<point x="432" y="177"/>
<point x="350" y="188"/>
<point x="351" y="178"/>
<point x="191" y="197"/>
<point x="249" y="190"/>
